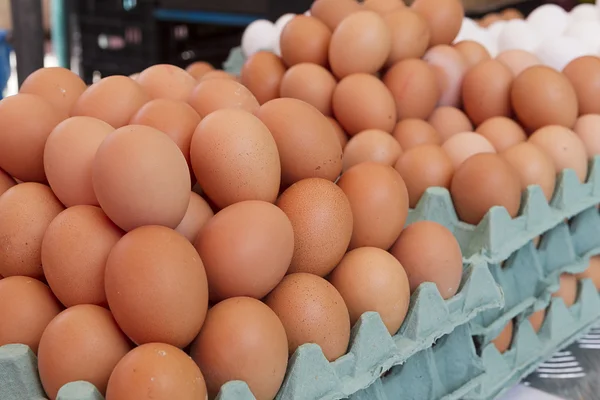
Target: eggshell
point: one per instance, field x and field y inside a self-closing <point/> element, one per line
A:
<point x="567" y="290"/>
<point x="504" y="339"/>
<point x="27" y="120"/>
<point x="361" y="101"/>
<point x="534" y="166"/>
<point x="592" y="272"/>
<point x="383" y="7"/>
<point x="587" y="128"/>
<point x="135" y="151"/>
<point x="414" y="85"/>
<point x="473" y="52"/>
<point x="305" y="39"/>
<point x="511" y="13"/>
<point x="321" y="217"/>
<point x="502" y="132"/>
<point x="312" y="311"/>
<point x="341" y="134"/>
<point x="371" y="145"/>
<point x="413" y="132"/>
<point x="262" y="74"/>
<point x="163" y="81"/>
<point x="255" y="268"/>
<point x="83" y="343"/>
<point x="307" y="143"/>
<point x="537" y="320"/>
<point x="156" y="286"/>
<point x="332" y="12"/>
<point x="26" y="307"/>
<point x="464" y="145"/>
<point x="235" y="158"/>
<point x="379" y="202"/>
<point x="242" y="339"/>
<point x="450" y="67"/>
<point x="26" y="210"/>
<point x="114" y="100"/>
<point x="6" y="182"/>
<point x="310" y="83"/>
<point x="584" y="75"/>
<point x="481" y="182"/>
<point x="196" y="216"/>
<point x="443" y="16"/>
<point x="215" y="94"/>
<point x="422" y="167"/>
<point x="58" y="86"/>
<point x="383" y="284"/>
<point x="68" y="157"/>
<point x="198" y="69"/>
<point x="518" y="60"/>
<point x="158" y="370"/>
<point x="410" y="34"/>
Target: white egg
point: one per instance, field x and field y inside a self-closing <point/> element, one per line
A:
<point x="259" y="35"/>
<point x="518" y="34"/>
<point x="485" y="38"/>
<point x="307" y="13"/>
<point x="495" y="28"/>
<point x="583" y="12"/>
<point x="283" y="20"/>
<point x="587" y="32"/>
<point x="467" y="29"/>
<point x="548" y="20"/>
<point x="558" y="52"/>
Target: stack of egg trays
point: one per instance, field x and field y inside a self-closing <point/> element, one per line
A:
<point x="310" y="376"/>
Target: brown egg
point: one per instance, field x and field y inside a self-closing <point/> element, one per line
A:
<point x="534" y="167"/>
<point x="251" y="270"/>
<point x="135" y="151"/>
<point x="587" y="128"/>
<point x="383" y="7"/>
<point x="244" y="340"/>
<point x="490" y="19"/>
<point x="114" y="100"/>
<point x="156" y="286"/>
<point x="59" y="86"/>
<point x="486" y="91"/>
<point x="448" y="121"/>
<point x="422" y="167"/>
<point x="383" y="284"/>
<point x="567" y="290"/>
<point x="262" y="74"/>
<point x="68" y="157"/>
<point x="379" y="202"/>
<point x="371" y="145"/>
<point x="429" y="252"/>
<point x="26" y="307"/>
<point x="537" y="320"/>
<point x="321" y="217"/>
<point x="74" y="253"/>
<point x="511" y="13"/>
<point x="592" y="272"/>
<point x="6" y="182"/>
<point x="218" y="74"/>
<point x="464" y="145"/>
<point x="27" y="120"/>
<point x="543" y="96"/>
<point x="196" y="216"/>
<point x="504" y="339"/>
<point x="341" y="134"/>
<point x="307" y="143"/>
<point x="502" y="132"/>
<point x="518" y="60"/>
<point x="332" y="12"/>
<point x="198" y="69"/>
<point x="414" y="85"/>
<point x="413" y="132"/>
<point x="26" y="210"/>
<point x="352" y="51"/>
<point x="215" y="94"/>
<point x="450" y="67"/>
<point x="83" y="343"/>
<point x="164" y="81"/>
<point x="473" y="52"/>
<point x="158" y="371"/>
<point x="312" y="311"/>
<point x="235" y="158"/>
<point x="444" y="18"/>
<point x="410" y="34"/>
<point x="564" y="147"/>
<point x="361" y="101"/>
<point x="310" y="83"/>
<point x="584" y="75"/>
<point x="305" y="39"/>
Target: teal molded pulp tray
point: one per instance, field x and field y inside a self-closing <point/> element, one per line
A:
<point x="235" y="61"/>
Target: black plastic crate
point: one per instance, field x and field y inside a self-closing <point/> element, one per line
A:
<point x="255" y="7"/>
<point x="122" y="9"/>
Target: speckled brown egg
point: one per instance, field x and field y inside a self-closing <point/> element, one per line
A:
<point x="502" y="132"/>
<point x="444" y="18"/>
<point x="196" y="216"/>
<point x="312" y="311"/>
<point x="198" y="69"/>
<point x="371" y="145"/>
<point x="26" y="307"/>
<point x="361" y="101"/>
<point x="567" y="289"/>
<point x="413" y="132"/>
<point x="321" y="217"/>
<point x="584" y="75"/>
<point x="379" y="202"/>
<point x="311" y="83"/>
<point x="587" y="128"/>
<point x="450" y="67"/>
<point x="114" y="100"/>
<point x="83" y="343"/>
<point x="242" y="339"/>
<point x="156" y="371"/>
<point x="518" y="60"/>
<point x="332" y="12"/>
<point x="410" y="34"/>
<point x="163" y="81"/>
<point x="504" y="339"/>
<point x="534" y="166"/>
<point x="305" y="39"/>
<point x="448" y="121"/>
<point x="74" y="253"/>
<point x="473" y="52"/>
<point x="215" y="94"/>
<point x="235" y="158"/>
<point x="383" y="284"/>
<point x="26" y="210"/>
<point x="307" y="143"/>
<point x="156" y="286"/>
<point x="262" y="74"/>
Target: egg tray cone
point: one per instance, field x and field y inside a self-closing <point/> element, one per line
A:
<point x="498" y="235"/>
<point x="235" y="61"/>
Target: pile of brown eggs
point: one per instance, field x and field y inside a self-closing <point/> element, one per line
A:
<point x="188" y="213"/>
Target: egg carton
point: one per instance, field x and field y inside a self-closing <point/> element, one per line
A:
<point x="310" y="376"/>
<point x="562" y="326"/>
<point x="235" y="61"/>
<point x="498" y="235"/>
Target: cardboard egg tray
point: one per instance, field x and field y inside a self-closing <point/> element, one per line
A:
<point x="235" y="61"/>
<point x="310" y="376"/>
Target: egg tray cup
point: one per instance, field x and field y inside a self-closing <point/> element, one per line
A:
<point x="310" y="376"/>
<point x="561" y="327"/>
<point x="498" y="235"/>
<point x="235" y="61"/>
